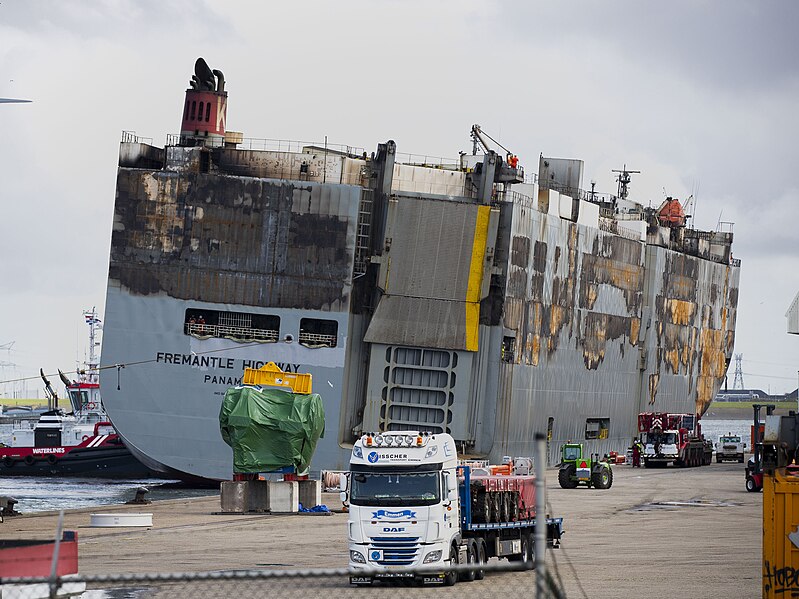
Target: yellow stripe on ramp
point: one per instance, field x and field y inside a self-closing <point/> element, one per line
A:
<point x="476" y="277"/>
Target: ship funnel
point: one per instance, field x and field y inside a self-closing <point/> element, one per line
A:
<point x="205" y="108"/>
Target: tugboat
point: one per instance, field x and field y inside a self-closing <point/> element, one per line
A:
<point x="82" y="442"/>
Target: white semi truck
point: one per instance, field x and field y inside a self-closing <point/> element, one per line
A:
<point x="730" y="447"/>
<point x="412" y="506"/>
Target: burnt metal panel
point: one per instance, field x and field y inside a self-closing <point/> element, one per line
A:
<point x="609" y="327"/>
<point x="236" y="240"/>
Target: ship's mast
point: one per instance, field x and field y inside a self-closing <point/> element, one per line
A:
<point x="624" y="181"/>
<point x="93" y="362"/>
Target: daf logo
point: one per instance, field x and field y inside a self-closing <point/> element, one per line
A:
<point x="393" y="529"/>
<point x="372" y="457"/>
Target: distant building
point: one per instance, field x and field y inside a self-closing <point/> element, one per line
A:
<point x="752" y="395"/>
<point x="793" y="316"/>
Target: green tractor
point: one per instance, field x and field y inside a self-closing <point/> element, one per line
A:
<point x="576" y="470"/>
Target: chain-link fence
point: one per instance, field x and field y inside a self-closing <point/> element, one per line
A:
<point x="515" y="579"/>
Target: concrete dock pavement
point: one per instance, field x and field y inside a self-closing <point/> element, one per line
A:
<point x="656" y="533"/>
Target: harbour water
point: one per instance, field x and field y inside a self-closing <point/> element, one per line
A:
<point x="713" y="429"/>
<point x="49" y="494"/>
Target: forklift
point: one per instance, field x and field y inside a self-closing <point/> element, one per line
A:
<point x="754" y="468"/>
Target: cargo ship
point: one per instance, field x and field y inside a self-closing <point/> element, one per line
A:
<point x="458" y="296"/>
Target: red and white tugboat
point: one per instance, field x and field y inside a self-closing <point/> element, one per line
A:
<point x="82" y="442"/>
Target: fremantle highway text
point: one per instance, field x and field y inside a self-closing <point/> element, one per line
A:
<point x="217" y="362"/>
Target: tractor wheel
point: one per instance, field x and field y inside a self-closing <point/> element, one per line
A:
<point x="602" y="477"/>
<point x="567" y="476"/>
<point x="514" y="506"/>
<point x="482" y="507"/>
<point x="493" y="504"/>
<point x="471" y="560"/>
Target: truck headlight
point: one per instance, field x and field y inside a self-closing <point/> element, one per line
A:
<point x="357" y="558"/>
<point x="431" y="557"/>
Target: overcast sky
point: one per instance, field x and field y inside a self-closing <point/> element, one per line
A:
<point x="699" y="96"/>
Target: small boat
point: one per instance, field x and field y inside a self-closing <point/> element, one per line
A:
<point x="82" y="442"/>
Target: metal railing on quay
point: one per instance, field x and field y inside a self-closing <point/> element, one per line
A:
<point x="516" y="578"/>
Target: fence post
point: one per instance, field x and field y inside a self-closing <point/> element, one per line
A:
<point x="540" y="516"/>
<point x="54" y="566"/>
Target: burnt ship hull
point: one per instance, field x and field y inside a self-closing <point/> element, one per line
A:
<point x="446" y="298"/>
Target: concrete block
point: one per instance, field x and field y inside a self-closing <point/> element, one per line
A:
<point x="310" y="492"/>
<point x="243" y="496"/>
<point x="284" y="496"/>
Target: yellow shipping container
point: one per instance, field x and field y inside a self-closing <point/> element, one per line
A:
<point x="270" y="375"/>
<point x="780" y="535"/>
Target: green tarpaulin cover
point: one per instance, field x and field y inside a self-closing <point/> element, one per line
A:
<point x="271" y="428"/>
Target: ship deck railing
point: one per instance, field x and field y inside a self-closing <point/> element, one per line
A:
<point x="204" y="331"/>
<point x="281" y="145"/>
<point x="612" y="226"/>
<point x="317" y="339"/>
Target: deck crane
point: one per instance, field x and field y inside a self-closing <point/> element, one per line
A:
<point x="508" y="170"/>
<point x="52" y="396"/>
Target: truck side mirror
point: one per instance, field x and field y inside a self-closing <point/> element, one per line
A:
<point x="342" y="481"/>
<point x="451" y="485"/>
<point x="343" y="496"/>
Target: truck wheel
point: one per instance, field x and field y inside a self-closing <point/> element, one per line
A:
<point x="471" y="560"/>
<point x="481" y="559"/>
<point x="451" y="577"/>
<point x="567" y="476"/>
<point x="526" y="555"/>
<point x="718" y="459"/>
<point x="741" y="459"/>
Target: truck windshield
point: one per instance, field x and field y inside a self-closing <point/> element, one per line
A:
<point x="395" y="489"/>
<point x="668" y="438"/>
